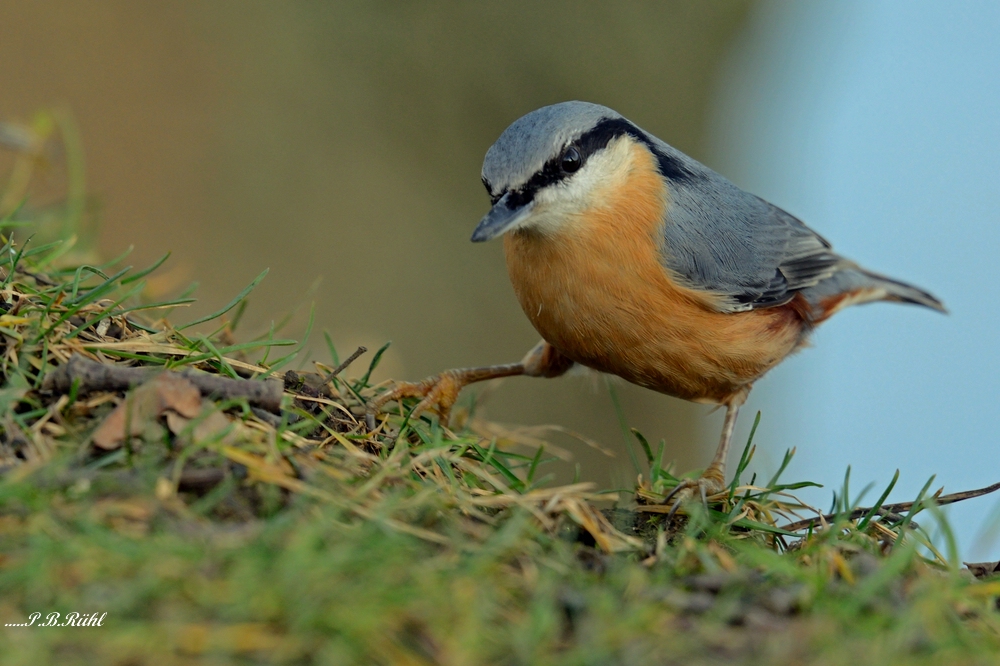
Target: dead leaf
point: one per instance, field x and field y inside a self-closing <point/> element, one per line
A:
<point x="144" y="405"/>
<point x="178" y="394"/>
<point x="176" y="423"/>
<point x="208" y="428"/>
<point x="212" y="427"/>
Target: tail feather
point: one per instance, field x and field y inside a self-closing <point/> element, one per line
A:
<point x="906" y="293"/>
<point x="854" y="285"/>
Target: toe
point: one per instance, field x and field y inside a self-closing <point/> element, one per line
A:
<point x="438" y="393"/>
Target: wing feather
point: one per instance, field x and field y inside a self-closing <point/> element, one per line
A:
<point x="720" y="239"/>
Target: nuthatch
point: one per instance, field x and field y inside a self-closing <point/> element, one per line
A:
<point x="631" y="258"/>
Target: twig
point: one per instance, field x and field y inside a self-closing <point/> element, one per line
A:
<point x="266" y="416"/>
<point x="39" y="278"/>
<point x="201" y="479"/>
<point x="891" y="510"/>
<point x="343" y="366"/>
<point x="92" y="376"/>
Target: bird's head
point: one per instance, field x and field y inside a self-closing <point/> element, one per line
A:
<point x="553" y="164"/>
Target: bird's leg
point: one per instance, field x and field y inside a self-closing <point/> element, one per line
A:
<point x="716" y="470"/>
<point x="439" y="392"/>
<point x="713" y="480"/>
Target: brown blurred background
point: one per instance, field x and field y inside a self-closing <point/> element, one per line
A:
<point x="344" y="141"/>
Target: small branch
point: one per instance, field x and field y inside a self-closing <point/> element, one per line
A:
<point x="892" y="510"/>
<point x="343" y="366"/>
<point x="39" y="278"/>
<point x="94" y="376"/>
<point x="266" y="416"/>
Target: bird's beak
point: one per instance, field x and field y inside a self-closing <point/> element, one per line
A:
<point x="501" y="218"/>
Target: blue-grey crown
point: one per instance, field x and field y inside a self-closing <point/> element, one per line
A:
<point x="532" y="140"/>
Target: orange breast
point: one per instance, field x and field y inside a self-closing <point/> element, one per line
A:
<point x="596" y="291"/>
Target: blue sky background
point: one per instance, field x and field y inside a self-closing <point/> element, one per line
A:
<point x="878" y="123"/>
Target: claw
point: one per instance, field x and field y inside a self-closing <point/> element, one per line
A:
<point x="707" y="485"/>
<point x="438" y="392"/>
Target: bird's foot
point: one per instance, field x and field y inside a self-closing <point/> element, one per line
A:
<point x="438" y="393"/>
<point x="711" y="485"/>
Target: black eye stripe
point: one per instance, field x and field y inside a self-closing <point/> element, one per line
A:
<point x="550" y="173"/>
<point x="587" y="144"/>
<point x="612" y="128"/>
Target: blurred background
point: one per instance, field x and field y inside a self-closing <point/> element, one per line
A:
<point x="343" y="141"/>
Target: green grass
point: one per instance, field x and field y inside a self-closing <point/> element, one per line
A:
<point x="238" y="536"/>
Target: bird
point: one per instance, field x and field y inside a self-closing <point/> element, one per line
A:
<point x="631" y="258"/>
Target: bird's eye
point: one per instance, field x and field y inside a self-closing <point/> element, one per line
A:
<point x="571" y="160"/>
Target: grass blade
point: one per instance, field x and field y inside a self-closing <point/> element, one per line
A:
<point x="745" y="457"/>
<point x="914" y="510"/>
<point x="623" y="424"/>
<point x="146" y="271"/>
<point x="230" y="305"/>
<point x="863" y="523"/>
<point x="645" y="446"/>
<point x="363" y="382"/>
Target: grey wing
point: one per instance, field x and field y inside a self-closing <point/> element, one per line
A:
<point x="721" y="239"/>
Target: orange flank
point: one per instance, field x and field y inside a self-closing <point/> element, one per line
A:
<point x="598" y="291"/>
<point x="833" y="304"/>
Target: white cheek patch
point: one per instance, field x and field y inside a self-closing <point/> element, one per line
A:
<point x="558" y="207"/>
